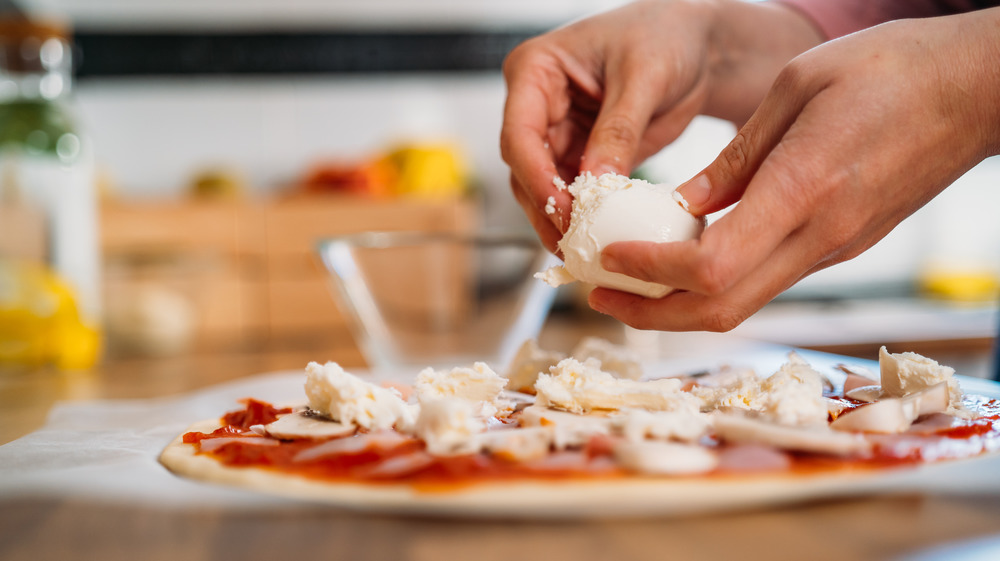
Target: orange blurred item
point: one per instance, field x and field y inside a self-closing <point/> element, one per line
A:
<point x="418" y="170"/>
<point x="374" y="178"/>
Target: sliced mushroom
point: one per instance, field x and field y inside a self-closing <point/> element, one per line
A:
<point x="857" y="376"/>
<point x="868" y="394"/>
<point x="892" y="415"/>
<point x="740" y="428"/>
<point x="517" y="444"/>
<point x="304" y="424"/>
<point x="895" y="414"/>
<point x="569" y="429"/>
<point x="934" y="399"/>
<point x="665" y="458"/>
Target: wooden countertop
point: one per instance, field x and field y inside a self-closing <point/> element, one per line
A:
<point x="53" y="528"/>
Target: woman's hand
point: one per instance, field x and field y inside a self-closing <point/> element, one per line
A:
<point x="605" y="93"/>
<point x="854" y="136"/>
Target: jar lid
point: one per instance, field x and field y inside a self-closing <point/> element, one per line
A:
<point x="33" y="45"/>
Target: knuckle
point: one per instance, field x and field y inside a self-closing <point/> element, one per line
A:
<point x="619" y="131"/>
<point x="506" y="145"/>
<point x="793" y="75"/>
<point x="516" y="57"/>
<point x="712" y="276"/>
<point x="527" y="55"/>
<point x="836" y="239"/>
<point x="636" y="318"/>
<point x="723" y="318"/>
<point x="736" y="155"/>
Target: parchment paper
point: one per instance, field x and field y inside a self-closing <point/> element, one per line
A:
<point x="107" y="450"/>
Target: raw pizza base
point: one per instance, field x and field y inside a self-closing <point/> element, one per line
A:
<point x="548" y="499"/>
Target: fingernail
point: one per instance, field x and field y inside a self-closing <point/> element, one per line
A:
<point x="602" y="169"/>
<point x="597" y="305"/>
<point x="610" y="263"/>
<point x="697" y="191"/>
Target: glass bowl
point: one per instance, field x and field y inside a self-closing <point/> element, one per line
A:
<point x="417" y="299"/>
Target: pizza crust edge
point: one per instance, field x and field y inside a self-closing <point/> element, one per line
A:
<point x="639" y="496"/>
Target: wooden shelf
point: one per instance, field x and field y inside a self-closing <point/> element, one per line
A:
<point x="250" y="269"/>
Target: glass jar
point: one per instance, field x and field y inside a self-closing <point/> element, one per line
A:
<point x="48" y="205"/>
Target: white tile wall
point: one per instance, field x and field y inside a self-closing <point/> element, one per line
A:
<point x="230" y="14"/>
<point x="154" y="135"/>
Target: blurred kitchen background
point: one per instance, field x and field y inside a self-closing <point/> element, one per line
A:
<point x="225" y="137"/>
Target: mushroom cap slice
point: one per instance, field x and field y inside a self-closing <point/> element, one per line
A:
<point x="894" y="414"/>
<point x="665" y="458"/>
<point x="302" y="424"/>
<point x="868" y="394"/>
<point x="735" y="427"/>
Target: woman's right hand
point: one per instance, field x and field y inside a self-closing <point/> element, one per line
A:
<point x="605" y="93"/>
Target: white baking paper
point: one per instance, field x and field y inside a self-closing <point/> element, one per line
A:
<point x="107" y="450"/>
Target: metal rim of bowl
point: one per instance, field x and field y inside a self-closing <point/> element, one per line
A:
<point x="401" y="238"/>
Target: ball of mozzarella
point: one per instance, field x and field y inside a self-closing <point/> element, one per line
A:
<point x="613" y="208"/>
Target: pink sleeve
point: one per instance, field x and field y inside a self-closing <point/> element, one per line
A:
<point x="835" y="18"/>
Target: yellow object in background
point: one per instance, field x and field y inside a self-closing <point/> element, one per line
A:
<point x="218" y="184"/>
<point x="417" y="170"/>
<point x="39" y="321"/>
<point x="961" y="285"/>
<point x="429" y="171"/>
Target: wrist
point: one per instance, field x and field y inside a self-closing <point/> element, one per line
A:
<point x="985" y="55"/>
<point x="749" y="44"/>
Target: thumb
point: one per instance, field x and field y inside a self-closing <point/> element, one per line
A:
<point x="724" y="181"/>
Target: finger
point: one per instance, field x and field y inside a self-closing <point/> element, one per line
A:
<point x="728" y="250"/>
<point x="725" y="180"/>
<point x="629" y="103"/>
<point x="776" y="204"/>
<point x="548" y="233"/>
<point x="666" y="128"/>
<point x="528" y="113"/>
<point x="690" y="311"/>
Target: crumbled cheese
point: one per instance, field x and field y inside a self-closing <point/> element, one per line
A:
<point x="555" y="276"/>
<point x="615" y="359"/>
<point x="518" y="444"/>
<point x="791" y="396"/>
<point x="905" y="373"/>
<point x="612" y="208"/>
<point x="448" y="425"/>
<point x="687" y="425"/>
<point x="582" y="386"/>
<point x="352" y="401"/>
<point x="550" y="205"/>
<point x="530" y="361"/>
<point x="741" y="391"/>
<point x="568" y="429"/>
<point x="479" y="383"/>
<point x="794" y="395"/>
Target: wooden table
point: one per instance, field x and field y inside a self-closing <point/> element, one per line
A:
<point x="53" y="528"/>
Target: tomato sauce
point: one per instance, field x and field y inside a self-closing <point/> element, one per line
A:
<point x="370" y="463"/>
<point x="255" y="413"/>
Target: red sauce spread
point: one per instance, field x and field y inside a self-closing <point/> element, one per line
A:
<point x="970" y="430"/>
<point x="400" y="458"/>
<point x="255" y="413"/>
